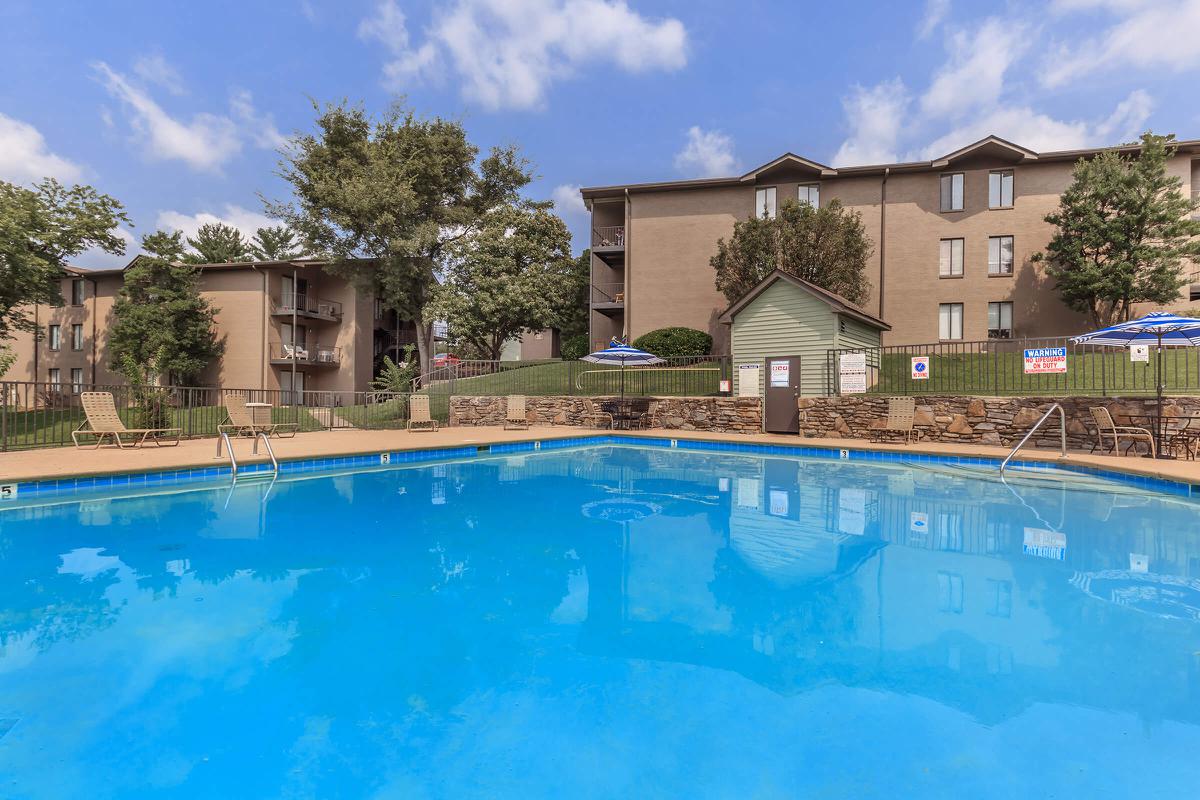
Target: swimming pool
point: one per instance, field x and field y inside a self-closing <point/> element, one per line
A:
<point x="604" y="621"/>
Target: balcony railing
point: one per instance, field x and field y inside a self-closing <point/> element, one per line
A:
<point x="309" y="305"/>
<point x="302" y="354"/>
<point x="609" y="236"/>
<point x="608" y="293"/>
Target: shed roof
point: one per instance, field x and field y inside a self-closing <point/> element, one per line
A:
<point x="837" y="303"/>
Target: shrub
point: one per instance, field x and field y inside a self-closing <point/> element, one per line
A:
<point x="574" y="347"/>
<point x="675" y="342"/>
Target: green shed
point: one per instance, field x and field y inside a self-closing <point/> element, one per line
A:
<point x="787" y="317"/>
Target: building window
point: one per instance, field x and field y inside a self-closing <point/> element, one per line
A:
<point x="1000" y="255"/>
<point x="77" y="336"/>
<point x="950" y="321"/>
<point x="999" y="598"/>
<point x="1000" y="189"/>
<point x="952" y="192"/>
<point x="55" y="338"/>
<point x="76" y="380"/>
<point x="810" y="193"/>
<point x="77" y="292"/>
<point x="1000" y="320"/>
<point x="764" y="202"/>
<point x="950" y="592"/>
<point x="56" y="378"/>
<point x="950" y="261"/>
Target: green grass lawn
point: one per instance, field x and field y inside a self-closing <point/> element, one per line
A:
<point x="581" y="378"/>
<point x="1107" y="372"/>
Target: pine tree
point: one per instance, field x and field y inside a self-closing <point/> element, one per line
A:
<point x="1124" y="230"/>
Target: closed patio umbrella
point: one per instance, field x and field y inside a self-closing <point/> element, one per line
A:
<point x="1158" y="328"/>
<point x="620" y="353"/>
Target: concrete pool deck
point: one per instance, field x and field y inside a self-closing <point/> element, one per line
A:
<point x="60" y="462"/>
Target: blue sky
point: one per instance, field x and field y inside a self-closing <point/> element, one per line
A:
<point x="177" y="108"/>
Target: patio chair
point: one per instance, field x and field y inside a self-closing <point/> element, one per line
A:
<point x="418" y="414"/>
<point x="900" y="416"/>
<point x="1108" y="431"/>
<point x="103" y="422"/>
<point x="239" y="420"/>
<point x="593" y="416"/>
<point x="514" y="417"/>
<point x="640" y="412"/>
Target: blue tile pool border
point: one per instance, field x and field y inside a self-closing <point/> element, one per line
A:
<point x="67" y="486"/>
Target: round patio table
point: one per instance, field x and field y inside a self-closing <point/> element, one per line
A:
<point x="1168" y="437"/>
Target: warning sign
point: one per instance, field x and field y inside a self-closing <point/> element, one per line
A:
<point x="920" y="368"/>
<point x="1042" y="360"/>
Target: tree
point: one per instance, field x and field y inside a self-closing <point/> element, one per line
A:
<point x="573" y="319"/>
<point x="41" y="229"/>
<point x="1124" y="229"/>
<point x="161" y="325"/>
<point x="275" y="243"/>
<point x="826" y="246"/>
<point x="218" y="243"/>
<point x="385" y="198"/>
<point x="513" y="274"/>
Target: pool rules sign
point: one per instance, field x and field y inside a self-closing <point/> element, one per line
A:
<point x="1044" y="360"/>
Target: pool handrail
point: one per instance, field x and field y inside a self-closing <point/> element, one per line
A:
<point x="1062" y="430"/>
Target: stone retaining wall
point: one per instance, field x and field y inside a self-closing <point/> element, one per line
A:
<point x="720" y="414"/>
<point x="982" y="420"/>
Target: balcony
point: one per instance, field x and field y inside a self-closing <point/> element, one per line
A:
<point x="608" y="243"/>
<point x="283" y="354"/>
<point x="1196" y="201"/>
<point x="608" y="298"/>
<point x="308" y="306"/>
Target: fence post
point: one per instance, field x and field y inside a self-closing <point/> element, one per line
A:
<point x="4" y="417"/>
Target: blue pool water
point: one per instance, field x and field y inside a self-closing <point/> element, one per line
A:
<point x="610" y="621"/>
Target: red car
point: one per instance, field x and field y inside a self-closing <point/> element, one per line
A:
<point x="446" y="360"/>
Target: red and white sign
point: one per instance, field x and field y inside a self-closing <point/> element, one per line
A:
<point x="1042" y="360"/>
<point x="920" y="368"/>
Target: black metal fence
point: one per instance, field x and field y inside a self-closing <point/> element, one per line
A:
<point x="45" y="414"/>
<point x="677" y="377"/>
<point x="997" y="367"/>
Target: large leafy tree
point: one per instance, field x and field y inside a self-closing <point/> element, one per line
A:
<point x="218" y="243"/>
<point x="41" y="229"/>
<point x="826" y="246"/>
<point x="385" y="198"/>
<point x="275" y="243"/>
<point x="162" y="326"/>
<point x="512" y="274"/>
<point x="1124" y="230"/>
<point x="573" y="318"/>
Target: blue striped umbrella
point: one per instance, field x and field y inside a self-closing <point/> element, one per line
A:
<point x="1158" y="328"/>
<point x="620" y="353"/>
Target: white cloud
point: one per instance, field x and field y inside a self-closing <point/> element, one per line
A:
<point x="243" y="219"/>
<point x="1040" y="132"/>
<point x="308" y="10"/>
<point x="875" y="117"/>
<point x="155" y="69"/>
<point x="707" y="154"/>
<point x="204" y="143"/>
<point x="1147" y="34"/>
<point x="25" y="156"/>
<point x="936" y="12"/>
<point x="568" y="203"/>
<point x="259" y="127"/>
<point x="973" y="77"/>
<point x="507" y="53"/>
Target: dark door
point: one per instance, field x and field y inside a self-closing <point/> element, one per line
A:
<point x="783" y="387"/>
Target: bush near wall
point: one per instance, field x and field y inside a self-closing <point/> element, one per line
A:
<point x="573" y="347"/>
<point x="675" y="342"/>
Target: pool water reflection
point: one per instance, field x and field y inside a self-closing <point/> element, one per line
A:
<point x="609" y="621"/>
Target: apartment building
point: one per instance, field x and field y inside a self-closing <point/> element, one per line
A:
<point x="954" y="240"/>
<point x="285" y="324"/>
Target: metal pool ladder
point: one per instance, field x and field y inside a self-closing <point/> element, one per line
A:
<point x="1062" y="432"/>
<point x="233" y="459"/>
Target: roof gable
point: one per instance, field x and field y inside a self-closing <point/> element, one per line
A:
<point x="790" y="160"/>
<point x="989" y="146"/>
<point x="836" y="303"/>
